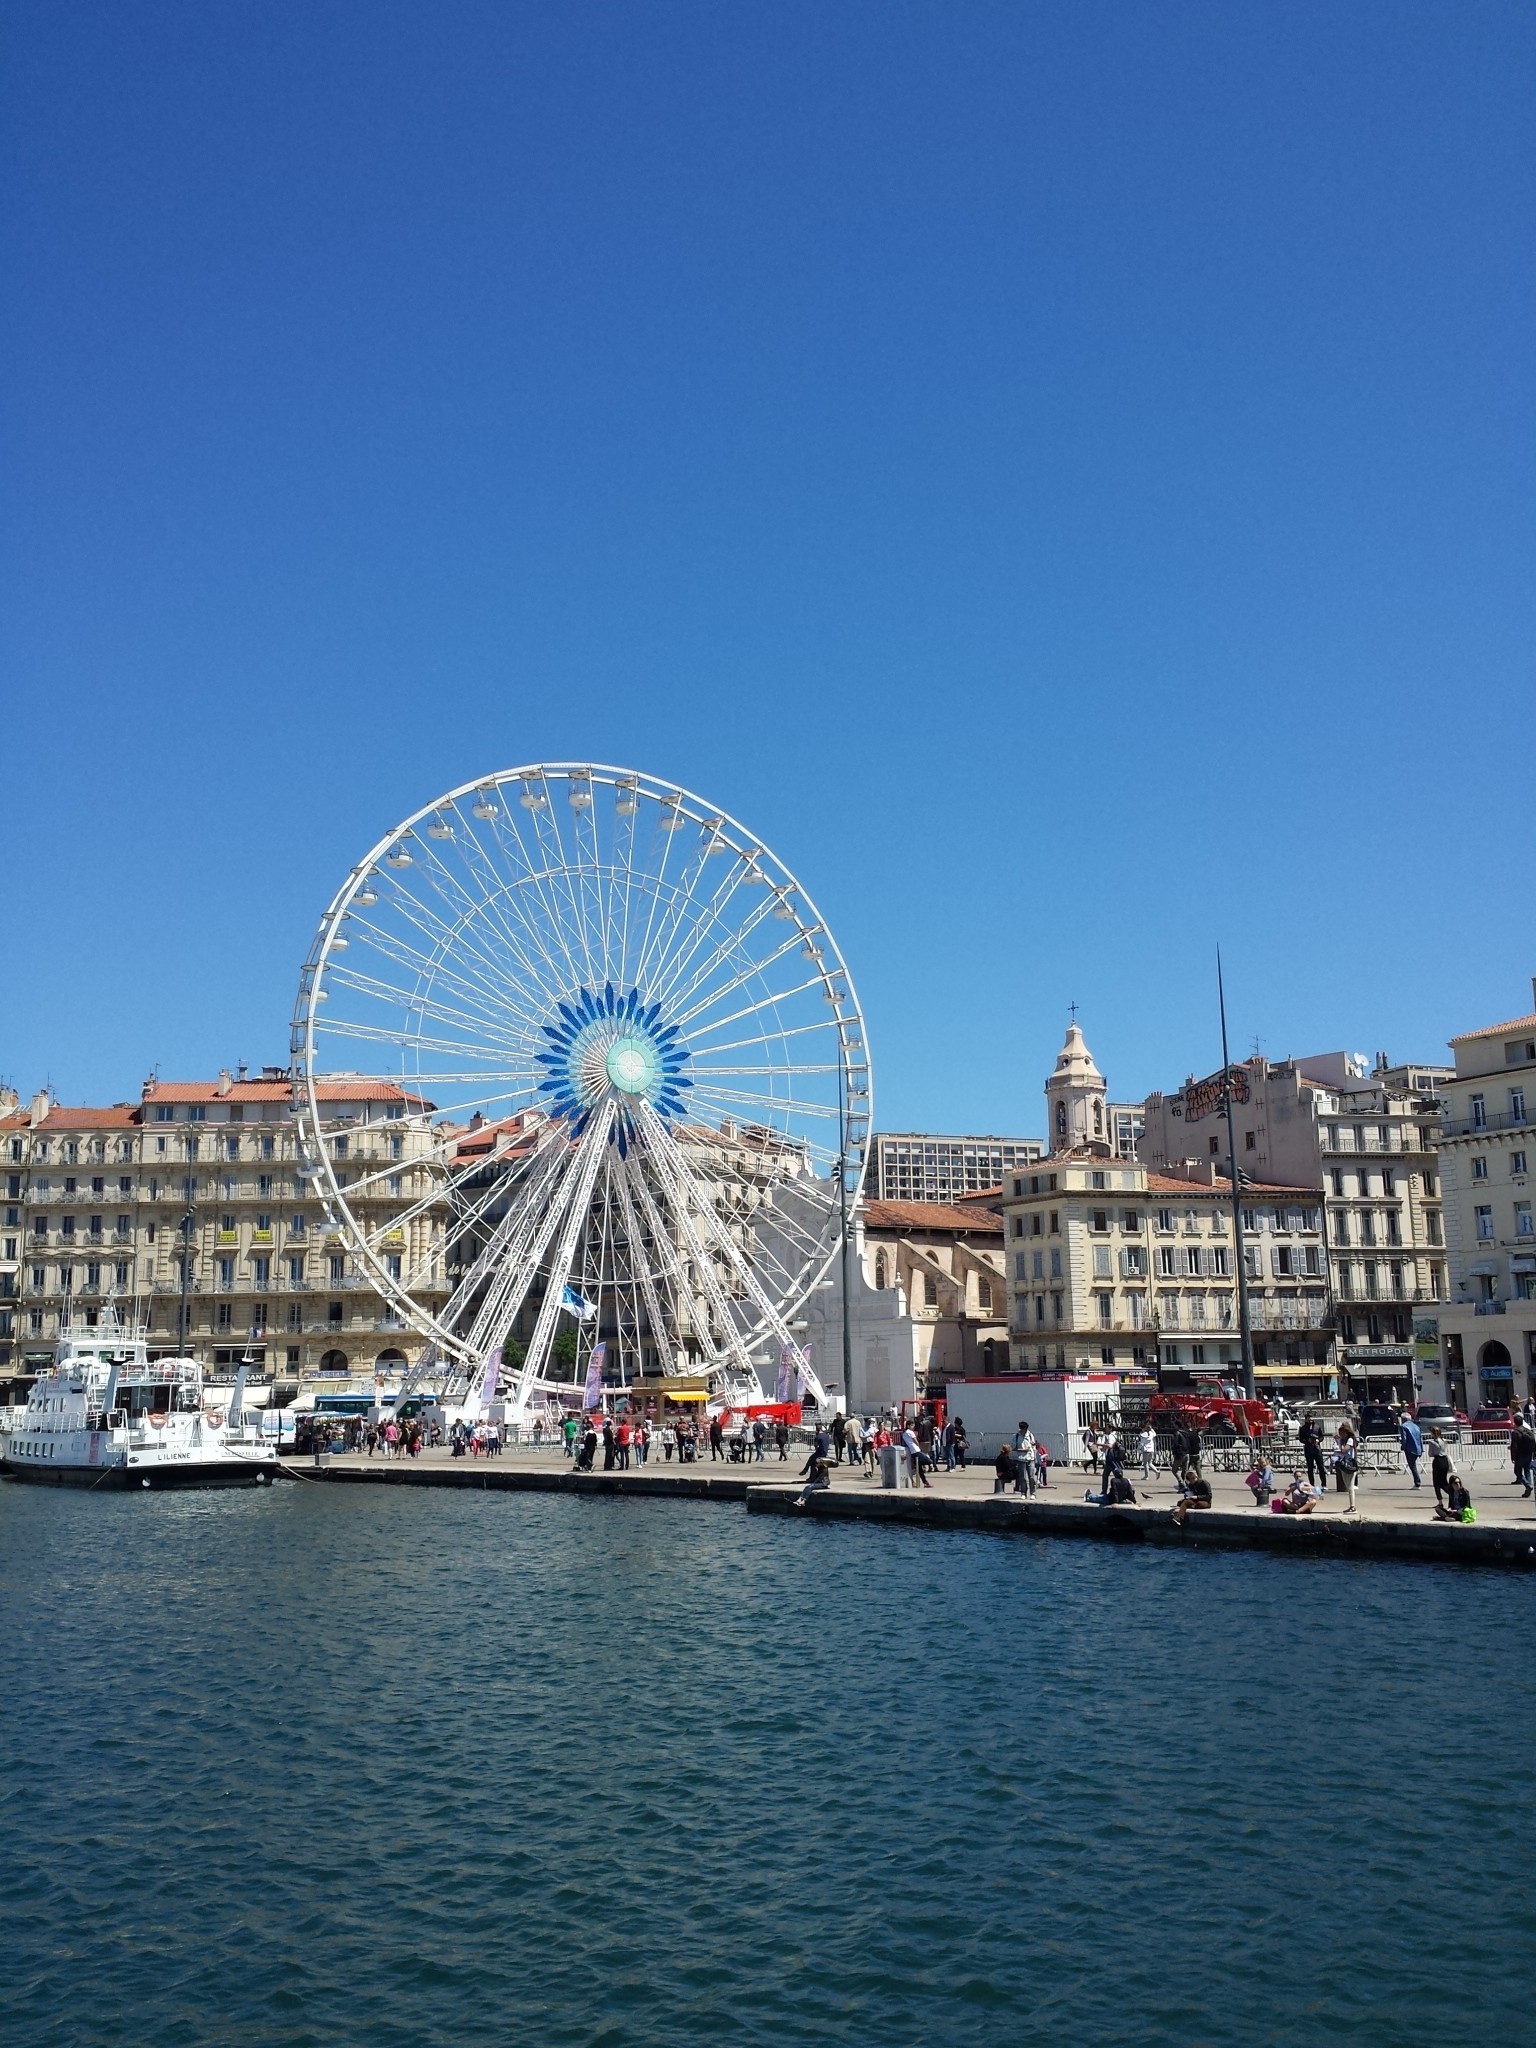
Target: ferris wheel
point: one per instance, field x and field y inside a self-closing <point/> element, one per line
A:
<point x="631" y="1087"/>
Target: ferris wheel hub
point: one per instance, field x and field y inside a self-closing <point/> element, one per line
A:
<point x="632" y="1066"/>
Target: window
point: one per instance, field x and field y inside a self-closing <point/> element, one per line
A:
<point x="231" y="1148"/>
<point x="1479" y="1114"/>
<point x="1250" y="1141"/>
<point x="1388" y="1181"/>
<point x="1338" y="1183"/>
<point x="1522" y="1219"/>
<point x="1131" y="1220"/>
<point x="1165" y="1219"/>
<point x="882" y="1271"/>
<point x="264" y="1188"/>
<point x="1040" y="1311"/>
<point x="338" y="1270"/>
<point x="340" y="1148"/>
<point x="930" y="1289"/>
<point x="1096" y="1180"/>
<point x="1219" y="1262"/>
<point x="1056" y="1265"/>
<point x="196" y="1113"/>
<point x="223" y="1315"/>
<point x="1341" y="1227"/>
<point x="226" y="1274"/>
<point x="333" y="1314"/>
<point x="1215" y="1147"/>
<point x="1056" y="1307"/>
<point x="260" y="1269"/>
<point x="1479" y="1169"/>
<point x="1098" y="1221"/>
<point x="1485" y="1223"/>
<point x="983" y="1287"/>
<point x="164" y="1113"/>
<point x="1101" y="1266"/>
<point x="266" y="1146"/>
<point x="1105" y="1305"/>
<point x="397" y="1151"/>
<point x="1036" y="1265"/>
<point x="1168" y="1261"/>
<point x="1517" y="1105"/>
<point x="1367" y="1227"/>
<point x="1517" y="1165"/>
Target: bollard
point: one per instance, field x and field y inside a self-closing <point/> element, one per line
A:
<point x="888" y="1465"/>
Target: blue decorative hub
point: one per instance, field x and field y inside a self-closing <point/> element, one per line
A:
<point x="614" y="1050"/>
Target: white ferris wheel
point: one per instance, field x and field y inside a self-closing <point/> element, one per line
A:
<point x="634" y="1087"/>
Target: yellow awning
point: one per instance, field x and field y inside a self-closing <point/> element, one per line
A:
<point x="1291" y="1372"/>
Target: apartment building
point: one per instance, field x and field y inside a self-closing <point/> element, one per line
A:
<point x="919" y="1166"/>
<point x="190" y="1209"/>
<point x="1359" y="1139"/>
<point x="1486" y="1145"/>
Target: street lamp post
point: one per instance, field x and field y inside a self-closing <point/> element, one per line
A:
<point x="1244" y="1325"/>
<point x="842" y="1195"/>
<point x="188" y="1225"/>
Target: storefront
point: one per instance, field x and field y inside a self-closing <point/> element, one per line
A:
<point x="1495" y="1375"/>
<point x="1379" y="1372"/>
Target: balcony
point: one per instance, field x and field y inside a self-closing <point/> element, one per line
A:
<point x="1489" y="1308"/>
<point x="1470" y="1127"/>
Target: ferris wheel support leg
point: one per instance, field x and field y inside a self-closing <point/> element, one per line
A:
<point x="640" y="1265"/>
<point x="593" y="1145"/>
<point x="668" y="1151"/>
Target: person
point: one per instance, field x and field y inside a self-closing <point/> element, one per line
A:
<point x="759" y="1439"/>
<point x="781" y="1438"/>
<point x="1042" y="1464"/>
<point x="1195" y="1493"/>
<point x="960" y="1442"/>
<point x="1458" y="1502"/>
<point x="1522" y="1451"/>
<point x="1090" y="1449"/>
<point x="608" y="1441"/>
<point x="1441" y="1469"/>
<point x="588" y="1449"/>
<point x="642" y="1441"/>
<point x="568" y="1435"/>
<point x="1025" y="1466"/>
<point x="917" y="1457"/>
<point x="855" y="1446"/>
<point x="947" y="1444"/>
<point x="1146" y="1447"/>
<point x="1002" y="1469"/>
<point x="1411" y="1440"/>
<point x="668" y="1442"/>
<point x="922" y="1429"/>
<point x="716" y="1440"/>
<point x="1182" y="1452"/>
<point x="839" y="1437"/>
<point x="1346" y="1463"/>
<point x="1312" y="1449"/>
<point x="1299" y="1498"/>
<point x="819" y="1479"/>
<point x="1260" y="1480"/>
<point x="621" y="1442"/>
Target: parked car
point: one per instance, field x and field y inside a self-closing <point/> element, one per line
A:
<point x="1442" y="1416"/>
<point x="1377" y="1418"/>
<point x="1493" y="1418"/>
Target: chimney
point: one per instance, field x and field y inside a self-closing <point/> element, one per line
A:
<point x="226" y="1081"/>
<point x="38" y="1108"/>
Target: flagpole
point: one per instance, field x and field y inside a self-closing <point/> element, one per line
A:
<point x="1244" y="1325"/>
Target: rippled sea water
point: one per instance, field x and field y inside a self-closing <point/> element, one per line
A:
<point x="329" y="1766"/>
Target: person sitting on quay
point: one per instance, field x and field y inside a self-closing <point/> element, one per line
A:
<point x="1260" y="1480"/>
<point x="818" y="1481"/>
<point x="1299" y="1498"/>
<point x="1196" y="1493"/>
<point x="1458" y="1502"/>
<point x="1117" y="1490"/>
<point x="1002" y="1469"/>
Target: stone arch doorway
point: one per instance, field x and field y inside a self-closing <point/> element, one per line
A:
<point x="333" y="1362"/>
<point x="389" y="1362"/>
<point x="1495" y="1375"/>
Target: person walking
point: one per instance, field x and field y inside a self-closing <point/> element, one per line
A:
<point x="1411" y="1440"/>
<point x="839" y="1437"/>
<point x="960" y="1441"/>
<point x="1441" y="1470"/>
<point x="781" y="1438"/>
<point x="1146" y="1447"/>
<point x="1312" y="1450"/>
<point x="568" y="1435"/>
<point x="716" y="1441"/>
<point x="607" y="1443"/>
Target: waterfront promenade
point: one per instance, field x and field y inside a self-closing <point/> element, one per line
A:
<point x="1392" y="1520"/>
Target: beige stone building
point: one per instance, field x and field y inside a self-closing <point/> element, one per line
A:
<point x="1486" y="1147"/>
<point x="188" y="1208"/>
<point x="1359" y="1139"/>
<point x="928" y="1301"/>
<point x="1112" y="1265"/>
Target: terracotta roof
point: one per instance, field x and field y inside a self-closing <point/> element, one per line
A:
<point x="1168" y="1184"/>
<point x="1515" y="1024"/>
<point x="340" y="1088"/>
<point x="121" y="1116"/>
<point x="930" y="1216"/>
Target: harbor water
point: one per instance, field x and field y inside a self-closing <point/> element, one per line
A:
<point x="327" y="1765"/>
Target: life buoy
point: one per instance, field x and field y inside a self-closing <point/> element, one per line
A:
<point x="215" y="1418"/>
<point x="156" y="1418"/>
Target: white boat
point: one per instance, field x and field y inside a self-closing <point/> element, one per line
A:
<point x="105" y="1414"/>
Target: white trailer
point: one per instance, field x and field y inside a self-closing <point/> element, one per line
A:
<point x="1057" y="1406"/>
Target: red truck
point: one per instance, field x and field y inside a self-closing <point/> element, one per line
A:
<point x="1213" y="1404"/>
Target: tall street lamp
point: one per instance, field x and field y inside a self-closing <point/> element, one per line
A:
<point x="1244" y="1325"/>
<point x="842" y="1196"/>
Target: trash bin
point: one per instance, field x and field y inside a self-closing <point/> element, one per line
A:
<point x="889" y="1467"/>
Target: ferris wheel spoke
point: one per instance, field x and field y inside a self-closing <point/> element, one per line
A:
<point x="710" y="917"/>
<point x="731" y="948"/>
<point x="507" y="1236"/>
<point x="641" y="1269"/>
<point x="536" y="872"/>
<point x="476" y="921"/>
<point x="541" y="1219"/>
<point x="778" y="1036"/>
<point x="685" y="1021"/>
<point x="484" y="999"/>
<point x="501" y="1039"/>
<point x="587" y="1159"/>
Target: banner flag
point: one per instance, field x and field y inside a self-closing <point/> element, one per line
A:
<point x="786" y="1358"/>
<point x="593" y="1398"/>
<point x="488" y="1384"/>
<point x="803" y="1360"/>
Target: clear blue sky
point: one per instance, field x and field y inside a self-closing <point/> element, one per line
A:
<point x="1063" y="474"/>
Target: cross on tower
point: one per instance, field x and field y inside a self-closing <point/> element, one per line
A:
<point x="1072" y="1011"/>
